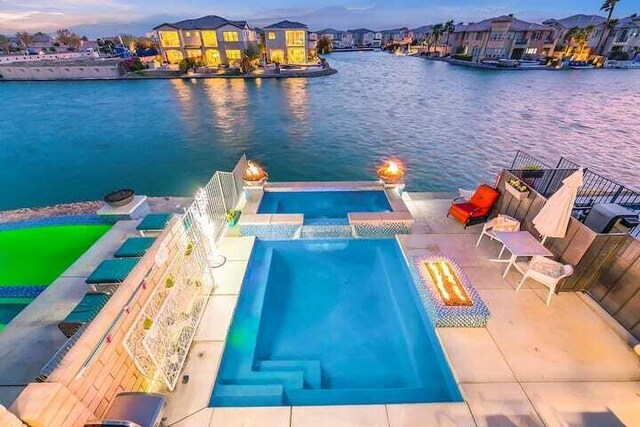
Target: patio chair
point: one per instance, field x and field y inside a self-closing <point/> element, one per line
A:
<point x="546" y="271"/>
<point x="476" y="209"/>
<point x="134" y="247"/>
<point x="110" y="273"/>
<point x="153" y="224"/>
<point x="86" y="310"/>
<point x="499" y="223"/>
<point x="133" y="409"/>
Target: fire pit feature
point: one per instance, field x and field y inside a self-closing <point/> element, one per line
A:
<point x="254" y="175"/>
<point x="119" y="198"/>
<point x="447" y="293"/>
<point x="391" y="172"/>
<point x="447" y="283"/>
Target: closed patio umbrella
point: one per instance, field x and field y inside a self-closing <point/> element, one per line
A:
<point x="553" y="218"/>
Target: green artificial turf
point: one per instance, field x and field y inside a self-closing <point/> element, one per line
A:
<point x="37" y="256"/>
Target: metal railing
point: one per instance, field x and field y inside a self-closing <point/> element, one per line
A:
<point x="595" y="189"/>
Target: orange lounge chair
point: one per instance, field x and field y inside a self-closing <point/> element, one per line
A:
<point x="475" y="210"/>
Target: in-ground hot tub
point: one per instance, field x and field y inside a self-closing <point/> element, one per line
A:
<point x="324" y="207"/>
<point x="327" y="209"/>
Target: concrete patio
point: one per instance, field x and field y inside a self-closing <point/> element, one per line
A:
<point x="560" y="365"/>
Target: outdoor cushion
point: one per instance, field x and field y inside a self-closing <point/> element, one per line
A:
<point x="505" y="223"/>
<point x="112" y="270"/>
<point x="84" y="312"/>
<point x="134" y="247"/>
<point x="484" y="197"/>
<point x="154" y="221"/>
<point x="477" y="207"/>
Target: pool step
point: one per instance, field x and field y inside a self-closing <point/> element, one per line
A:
<point x="248" y="395"/>
<point x="288" y="379"/>
<point x="311" y="368"/>
<point x="325" y="231"/>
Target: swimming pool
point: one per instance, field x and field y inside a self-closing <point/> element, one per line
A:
<point x="322" y="322"/>
<point x="10" y="308"/>
<point x="323" y="206"/>
<point x="32" y="258"/>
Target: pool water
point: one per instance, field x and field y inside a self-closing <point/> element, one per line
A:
<point x="10" y="308"/>
<point x="38" y="255"/>
<point x="322" y="322"/>
<point x="323" y="206"/>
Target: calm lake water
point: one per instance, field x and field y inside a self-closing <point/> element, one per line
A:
<point x="451" y="126"/>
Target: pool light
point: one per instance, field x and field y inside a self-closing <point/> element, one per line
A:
<point x="391" y="172"/>
<point x="254" y="174"/>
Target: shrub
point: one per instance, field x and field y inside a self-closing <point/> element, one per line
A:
<point x="131" y="64"/>
<point x="189" y="64"/>
<point x="462" y="57"/>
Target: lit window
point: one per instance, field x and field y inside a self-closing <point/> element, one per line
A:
<point x="188" y="34"/>
<point x="230" y="36"/>
<point x="295" y="38"/>
<point x="212" y="57"/>
<point x="233" y="54"/>
<point x="276" y="55"/>
<point x="209" y="39"/>
<point x="169" y="38"/>
<point x="194" y="53"/>
<point x="271" y="35"/>
<point x="296" y="55"/>
<point x="174" y="56"/>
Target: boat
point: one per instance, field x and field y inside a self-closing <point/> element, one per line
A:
<point x="581" y="65"/>
<point x="622" y="65"/>
<point x="531" y="65"/>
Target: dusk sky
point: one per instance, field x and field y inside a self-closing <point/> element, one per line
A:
<point x="48" y="15"/>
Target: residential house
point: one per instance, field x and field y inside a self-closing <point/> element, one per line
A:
<point x="420" y="34"/>
<point x="503" y="37"/>
<point x="287" y="42"/>
<point x="347" y="39"/>
<point x="377" y="40"/>
<point x="396" y="35"/>
<point x="333" y="35"/>
<point x="363" y="37"/>
<point x="562" y="27"/>
<point x="42" y="41"/>
<point x="624" y="36"/>
<point x="214" y="39"/>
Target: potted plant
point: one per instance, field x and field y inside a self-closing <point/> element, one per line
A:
<point x="517" y="188"/>
<point x="232" y="217"/>
<point x="532" y="171"/>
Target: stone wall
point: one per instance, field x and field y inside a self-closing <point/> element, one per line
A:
<point x="44" y="71"/>
<point x="83" y="386"/>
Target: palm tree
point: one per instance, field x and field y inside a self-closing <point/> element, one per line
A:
<point x="437" y="31"/>
<point x="607" y="6"/>
<point x="578" y="39"/>
<point x="449" y="28"/>
<point x="25" y="39"/>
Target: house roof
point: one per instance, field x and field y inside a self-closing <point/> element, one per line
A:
<point x="632" y="21"/>
<point x="395" y="30"/>
<point x="360" y="31"/>
<point x="204" y="23"/>
<point x="577" y="21"/>
<point x="42" y="38"/>
<point x="329" y="31"/>
<point x="287" y="24"/>
<point x="485" y="25"/>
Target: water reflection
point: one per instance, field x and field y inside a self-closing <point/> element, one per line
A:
<point x="229" y="105"/>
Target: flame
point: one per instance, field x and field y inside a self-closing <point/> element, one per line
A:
<point x="391" y="171"/>
<point x="253" y="172"/>
<point x="447" y="283"/>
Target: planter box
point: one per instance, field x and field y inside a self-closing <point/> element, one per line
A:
<point x="520" y="195"/>
<point x="235" y="219"/>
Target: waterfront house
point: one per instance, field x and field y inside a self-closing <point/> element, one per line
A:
<point x="212" y="39"/>
<point x="286" y="42"/>
<point x="563" y="27"/>
<point x="624" y="37"/>
<point x="363" y="37"/>
<point x="377" y="40"/>
<point x="333" y="35"/>
<point x="347" y="39"/>
<point x="503" y="37"/>
<point x="395" y="35"/>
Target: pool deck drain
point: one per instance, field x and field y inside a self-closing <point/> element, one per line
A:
<point x="522" y="369"/>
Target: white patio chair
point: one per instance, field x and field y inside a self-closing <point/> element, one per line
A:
<point x="499" y="223"/>
<point x="546" y="271"/>
<point x="466" y="194"/>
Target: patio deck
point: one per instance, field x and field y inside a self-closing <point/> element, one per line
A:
<point x="532" y="366"/>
